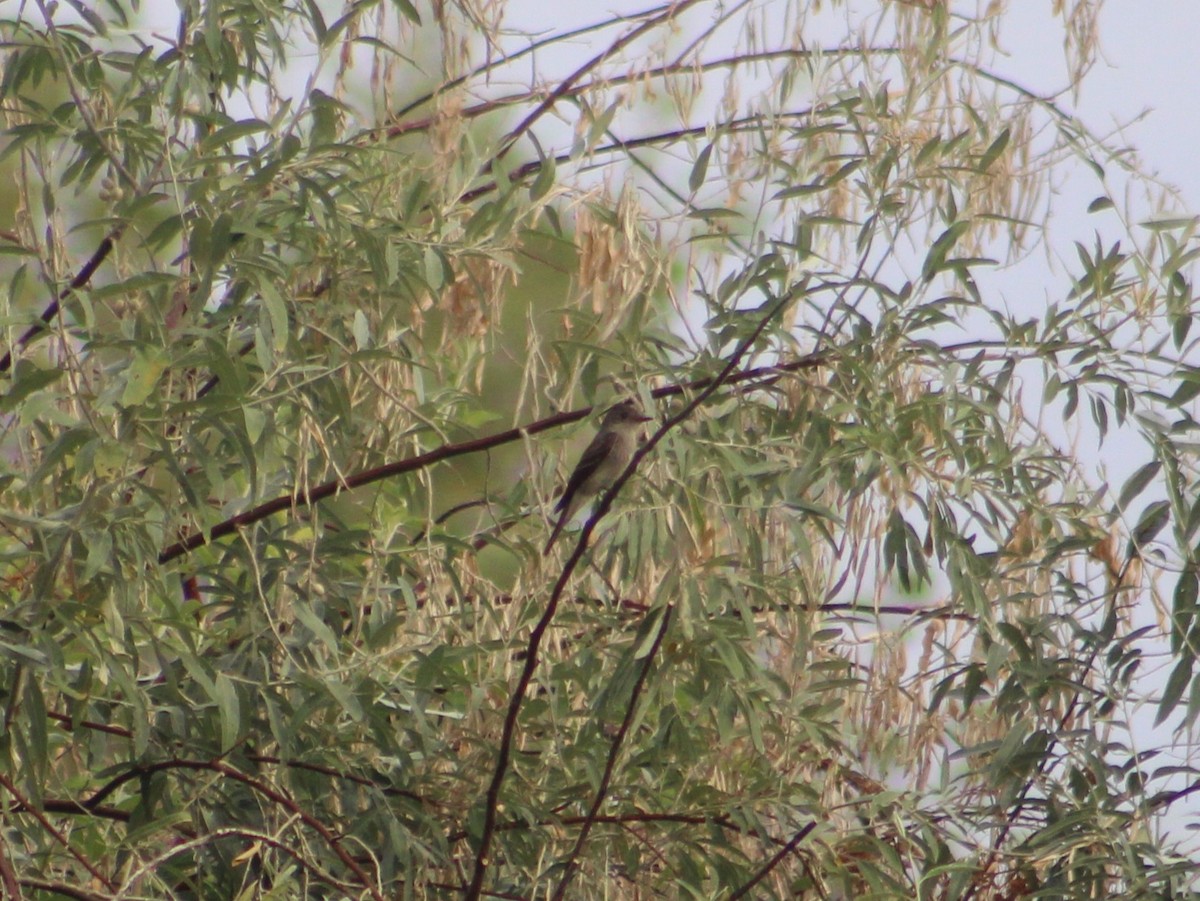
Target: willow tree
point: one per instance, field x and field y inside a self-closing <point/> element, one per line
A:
<point x="307" y="308"/>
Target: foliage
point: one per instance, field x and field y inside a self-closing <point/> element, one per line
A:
<point x="286" y="340"/>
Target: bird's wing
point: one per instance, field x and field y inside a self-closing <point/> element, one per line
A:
<point x="592" y="457"/>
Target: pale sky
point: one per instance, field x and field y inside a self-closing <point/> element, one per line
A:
<point x="1149" y="63"/>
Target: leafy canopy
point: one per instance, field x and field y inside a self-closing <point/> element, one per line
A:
<point x="305" y="308"/>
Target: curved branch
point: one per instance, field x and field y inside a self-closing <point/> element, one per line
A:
<point x="256" y="785"/>
<point x="506" y="144"/>
<point x="308" y="819"/>
<point x="499" y="62"/>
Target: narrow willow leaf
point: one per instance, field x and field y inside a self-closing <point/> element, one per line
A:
<point x="230" y="712"/>
<point x="994" y="150"/>
<point x="1153" y="518"/>
<point x="1137" y="483"/>
<point x="1177" y="683"/>
<point x="700" y="168"/>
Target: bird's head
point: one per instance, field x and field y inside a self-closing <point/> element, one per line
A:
<point x="626" y="413"/>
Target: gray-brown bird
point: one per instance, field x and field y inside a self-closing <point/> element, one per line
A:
<point x="603" y="460"/>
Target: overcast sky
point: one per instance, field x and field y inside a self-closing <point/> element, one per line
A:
<point x="1149" y="64"/>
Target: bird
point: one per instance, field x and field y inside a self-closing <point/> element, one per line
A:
<point x="600" y="464"/>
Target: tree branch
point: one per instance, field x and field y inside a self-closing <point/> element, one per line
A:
<point x="774" y="861"/>
<point x="82" y="278"/>
<point x="539" y="630"/>
<point x="58" y="836"/>
<point x="618" y="740"/>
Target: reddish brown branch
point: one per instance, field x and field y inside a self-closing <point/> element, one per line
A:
<point x="8" y="876"/>
<point x="767" y="374"/>
<point x="67" y="891"/>
<point x="624" y="819"/>
<point x="58" y="836"/>
<point x="663" y="137"/>
<point x="564" y="86"/>
<point x="303" y="815"/>
<point x="66" y="721"/>
<point x="82" y="278"/>
<point x="492" y="799"/>
<point x="366" y="477"/>
<point x="774" y="861"/>
<point x="610" y="765"/>
<point x="256" y="785"/>
<point x="92" y="802"/>
<point x="270" y="841"/>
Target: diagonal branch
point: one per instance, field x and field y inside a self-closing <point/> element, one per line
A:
<point x="492" y="799"/>
<point x="765" y="374"/>
<point x="610" y="764"/>
<point x="82" y="278"/>
<point x="62" y="839"/>
<point x="366" y="477"/>
<point x="672" y="12"/>
<point x="534" y="46"/>
<point x="774" y="861"/>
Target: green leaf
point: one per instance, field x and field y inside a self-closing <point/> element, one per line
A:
<point x="1183" y="608"/>
<point x="1154" y="517"/>
<point x="1138" y="482"/>
<point x="33" y="714"/>
<point x="799" y="191"/>
<point x="142" y="376"/>
<point x="26" y="379"/>
<point x="23" y="653"/>
<point x="544" y="181"/>
<point x="935" y="260"/>
<point x="1177" y="682"/>
<point x="408" y="11"/>
<point x="231" y="133"/>
<point x="994" y="150"/>
<point x="317" y="626"/>
<point x="700" y="168"/>
<point x="277" y="311"/>
<point x="229" y="710"/>
<point x="1169" y="224"/>
<point x="361" y="329"/>
<point x="895" y="548"/>
<point x="649" y="634"/>
<point x="316" y="21"/>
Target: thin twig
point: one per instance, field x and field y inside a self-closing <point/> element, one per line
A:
<point x="774" y="861"/>
<point x="82" y="278"/>
<point x="62" y="839"/>
<point x="267" y="791"/>
<point x="533" y="47"/>
<point x="492" y="798"/>
<point x="449" y="451"/>
<point x="610" y="765"/>
<point x="506" y="144"/>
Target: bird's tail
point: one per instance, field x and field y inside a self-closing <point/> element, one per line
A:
<point x="562" y="521"/>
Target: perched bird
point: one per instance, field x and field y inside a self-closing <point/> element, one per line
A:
<point x="605" y="459"/>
